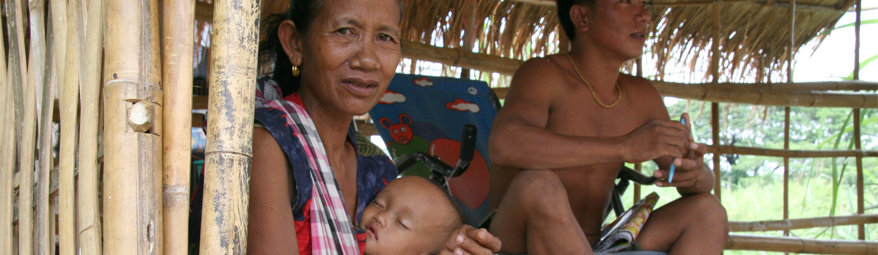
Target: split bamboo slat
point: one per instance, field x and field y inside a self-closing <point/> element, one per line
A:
<point x="58" y="19"/>
<point x="7" y="154"/>
<point x="69" y="104"/>
<point x="88" y="216"/>
<point x="830" y="221"/>
<point x="27" y="131"/>
<point x="36" y="79"/>
<point x="230" y="127"/>
<point x="799" y="245"/>
<point x="132" y="129"/>
<point x="178" y="22"/>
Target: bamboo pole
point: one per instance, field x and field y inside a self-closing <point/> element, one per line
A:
<point x="459" y="57"/>
<point x="132" y="129"/>
<point x="799" y="245"/>
<point x="766" y="95"/>
<point x="714" y="106"/>
<point x="726" y="149"/>
<point x="88" y="218"/>
<point x="470" y="32"/>
<point x="69" y="103"/>
<point x="861" y="229"/>
<point x="7" y="154"/>
<point x="230" y="129"/>
<point x="788" y="224"/>
<point x="786" y="168"/>
<point x="178" y="22"/>
<point x="37" y="75"/>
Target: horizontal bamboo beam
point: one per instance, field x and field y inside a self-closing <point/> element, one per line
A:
<point x="767" y="95"/>
<point x="760" y="94"/>
<point x="459" y="57"/>
<point x="742" y="226"/>
<point x="727" y="149"/>
<point x="799" y="245"/>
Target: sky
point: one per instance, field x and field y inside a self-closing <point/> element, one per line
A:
<point x="834" y="58"/>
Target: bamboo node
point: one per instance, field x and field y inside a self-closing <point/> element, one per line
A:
<point x="140" y="116"/>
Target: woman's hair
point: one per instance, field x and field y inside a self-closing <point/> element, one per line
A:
<point x="302" y="13"/>
<point x="564" y="14"/>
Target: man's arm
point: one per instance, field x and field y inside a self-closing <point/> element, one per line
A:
<point x="519" y="137"/>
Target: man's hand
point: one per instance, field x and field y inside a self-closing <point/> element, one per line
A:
<point x="656" y="138"/>
<point x="691" y="175"/>
<point x="469" y="240"/>
<point x="688" y="169"/>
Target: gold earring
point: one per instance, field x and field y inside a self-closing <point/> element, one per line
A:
<point x="295" y="70"/>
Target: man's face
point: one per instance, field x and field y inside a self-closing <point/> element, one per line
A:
<point x="620" y="26"/>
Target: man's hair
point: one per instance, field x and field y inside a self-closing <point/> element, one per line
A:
<point x="564" y="14"/>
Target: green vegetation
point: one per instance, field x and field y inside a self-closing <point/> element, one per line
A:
<point x="752" y="186"/>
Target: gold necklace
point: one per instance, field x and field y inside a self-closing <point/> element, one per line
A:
<point x="593" y="94"/>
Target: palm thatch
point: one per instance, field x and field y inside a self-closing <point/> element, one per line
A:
<point x="754" y="35"/>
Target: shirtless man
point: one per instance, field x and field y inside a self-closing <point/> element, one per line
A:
<point x="569" y="123"/>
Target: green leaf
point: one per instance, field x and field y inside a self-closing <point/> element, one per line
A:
<point x="862" y="66"/>
<point x="862" y="22"/>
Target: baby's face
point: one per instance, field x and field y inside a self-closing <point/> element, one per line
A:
<point x="410" y="216"/>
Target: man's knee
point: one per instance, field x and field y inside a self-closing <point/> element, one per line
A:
<point x="537" y="188"/>
<point x="711" y="211"/>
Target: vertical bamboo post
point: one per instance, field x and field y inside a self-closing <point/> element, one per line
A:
<point x="16" y="64"/>
<point x="88" y="218"/>
<point x="37" y="75"/>
<point x="230" y="127"/>
<point x="470" y="33"/>
<point x="178" y="24"/>
<point x="786" y="124"/>
<point x="714" y="107"/>
<point x="7" y="154"/>
<point x="861" y="230"/>
<point x="69" y="103"/>
<point x="132" y="129"/>
<point x="637" y="166"/>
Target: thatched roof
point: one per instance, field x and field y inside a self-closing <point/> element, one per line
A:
<point x="754" y="35"/>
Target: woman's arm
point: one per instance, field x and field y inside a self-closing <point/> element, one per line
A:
<point x="270" y="224"/>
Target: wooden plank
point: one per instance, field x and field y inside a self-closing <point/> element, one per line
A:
<point x="178" y="22"/>
<point x="788" y="224"/>
<point x="799" y="245"/>
<point x="230" y="130"/>
<point x="132" y="129"/>
<point x="89" y="217"/>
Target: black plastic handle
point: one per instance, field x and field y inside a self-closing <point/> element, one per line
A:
<point x="468" y="142"/>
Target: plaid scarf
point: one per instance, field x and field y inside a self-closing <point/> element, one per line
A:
<point x="331" y="229"/>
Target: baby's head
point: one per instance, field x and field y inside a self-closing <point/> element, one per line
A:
<point x="412" y="215"/>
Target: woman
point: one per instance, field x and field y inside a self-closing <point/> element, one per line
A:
<point x="334" y="60"/>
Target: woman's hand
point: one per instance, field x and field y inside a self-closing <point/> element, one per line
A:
<point x="469" y="240"/>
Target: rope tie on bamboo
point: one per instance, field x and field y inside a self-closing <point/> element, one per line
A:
<point x="593" y="94"/>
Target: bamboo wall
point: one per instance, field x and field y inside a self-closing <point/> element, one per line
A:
<point x="119" y="78"/>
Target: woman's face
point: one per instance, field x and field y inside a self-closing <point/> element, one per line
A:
<point x="349" y="54"/>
